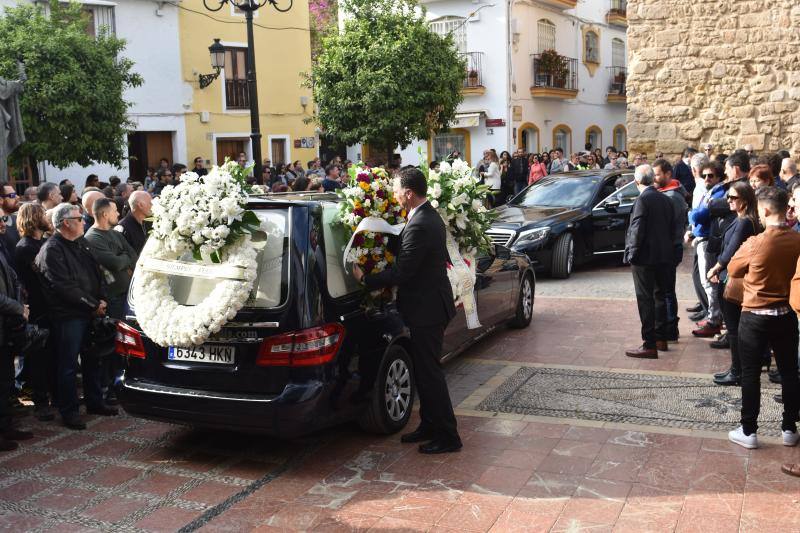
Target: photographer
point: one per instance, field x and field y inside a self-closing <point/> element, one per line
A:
<point x="73" y="287"/>
<point x="13" y="315"/>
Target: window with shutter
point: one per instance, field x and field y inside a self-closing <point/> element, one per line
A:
<point x="451" y="25"/>
<point x="236" y="90"/>
<point x="617" y="53"/>
<point x="547" y="35"/>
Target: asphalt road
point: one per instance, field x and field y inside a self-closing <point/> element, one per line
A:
<point x="607" y="277"/>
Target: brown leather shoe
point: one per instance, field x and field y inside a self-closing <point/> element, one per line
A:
<point x="709" y="330"/>
<point x="662" y="346"/>
<point x="642" y="352"/>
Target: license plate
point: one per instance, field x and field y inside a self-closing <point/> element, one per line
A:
<point x="207" y="353"/>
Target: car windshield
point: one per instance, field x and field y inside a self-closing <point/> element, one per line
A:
<point x="269" y="287"/>
<point x="559" y="192"/>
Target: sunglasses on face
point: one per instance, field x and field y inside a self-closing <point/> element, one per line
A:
<point x="707" y="176"/>
<point x="732" y="197"/>
<point x="73" y="218"/>
<point x="9" y="195"/>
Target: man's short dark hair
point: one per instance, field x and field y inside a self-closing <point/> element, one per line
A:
<point x="689" y="151"/>
<point x="587" y="147"/>
<point x="739" y="159"/>
<point x="114" y="181"/>
<point x="776" y="199"/>
<point x="414" y="180"/>
<point x="559" y="150"/>
<point x="610" y="148"/>
<point x="177" y="167"/>
<point x="62" y="182"/>
<point x="44" y="191"/>
<point x="664" y="165"/>
<point x="330" y="168"/>
<point x="101" y="205"/>
<point x="310" y="163"/>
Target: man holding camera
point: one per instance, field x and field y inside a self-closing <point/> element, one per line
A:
<point x="73" y="286"/>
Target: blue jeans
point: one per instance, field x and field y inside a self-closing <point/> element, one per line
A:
<point x="69" y="335"/>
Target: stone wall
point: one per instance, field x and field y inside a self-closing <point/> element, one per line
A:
<point x="725" y="72"/>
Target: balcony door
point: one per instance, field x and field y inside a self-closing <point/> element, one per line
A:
<point x="236" y="94"/>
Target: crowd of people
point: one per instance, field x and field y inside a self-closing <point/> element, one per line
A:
<point x="741" y="214"/>
<point x="65" y="268"/>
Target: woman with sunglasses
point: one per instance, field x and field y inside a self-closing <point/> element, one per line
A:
<point x="742" y="201"/>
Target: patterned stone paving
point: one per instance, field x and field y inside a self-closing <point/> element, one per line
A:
<point x="658" y="400"/>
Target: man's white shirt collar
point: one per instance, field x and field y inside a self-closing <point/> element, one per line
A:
<point x="411" y="213"/>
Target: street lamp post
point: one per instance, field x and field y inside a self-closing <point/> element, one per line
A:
<point x="248" y="7"/>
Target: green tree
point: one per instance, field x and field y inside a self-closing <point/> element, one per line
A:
<point x="73" y="108"/>
<point x="386" y="79"/>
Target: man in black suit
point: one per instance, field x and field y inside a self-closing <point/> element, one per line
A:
<point x="425" y="300"/>
<point x="650" y="250"/>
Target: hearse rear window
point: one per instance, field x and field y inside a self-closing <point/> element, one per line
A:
<point x="340" y="282"/>
<point x="269" y="289"/>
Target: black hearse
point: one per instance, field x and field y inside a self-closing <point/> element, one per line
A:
<point x="303" y="354"/>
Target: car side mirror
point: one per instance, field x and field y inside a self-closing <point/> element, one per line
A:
<point x="611" y="204"/>
<point x="501" y="252"/>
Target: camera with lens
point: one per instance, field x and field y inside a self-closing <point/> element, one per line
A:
<point x="22" y="337"/>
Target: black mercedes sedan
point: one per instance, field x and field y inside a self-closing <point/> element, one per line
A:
<point x="303" y="353"/>
<point x="568" y="218"/>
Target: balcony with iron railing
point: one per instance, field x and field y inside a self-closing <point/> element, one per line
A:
<point x="618" y="14"/>
<point x="473" y="79"/>
<point x="617" y="84"/>
<point x="554" y="76"/>
<point x="237" y="95"/>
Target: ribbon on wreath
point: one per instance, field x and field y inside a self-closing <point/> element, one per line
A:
<point x="462" y="273"/>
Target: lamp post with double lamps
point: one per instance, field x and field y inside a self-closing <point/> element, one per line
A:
<point x="248" y="7"/>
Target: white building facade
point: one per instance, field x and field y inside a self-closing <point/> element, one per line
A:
<point x="159" y="104"/>
<point x="513" y="98"/>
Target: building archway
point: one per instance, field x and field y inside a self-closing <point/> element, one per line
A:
<point x="594" y="135"/>
<point x="620" y="137"/>
<point x="562" y="138"/>
<point x="529" y="138"/>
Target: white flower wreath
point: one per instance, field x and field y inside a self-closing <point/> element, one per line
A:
<point x="207" y="217"/>
<point x="166" y="322"/>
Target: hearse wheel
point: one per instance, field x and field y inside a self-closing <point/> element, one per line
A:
<point x="393" y="395"/>
<point x="524" y="304"/>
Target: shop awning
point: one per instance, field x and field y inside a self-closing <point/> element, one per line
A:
<point x="466" y="120"/>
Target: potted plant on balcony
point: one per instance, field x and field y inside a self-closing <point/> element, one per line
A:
<point x="472" y="78"/>
<point x="555" y="66"/>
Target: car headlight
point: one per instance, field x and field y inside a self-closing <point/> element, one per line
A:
<point x="532" y="236"/>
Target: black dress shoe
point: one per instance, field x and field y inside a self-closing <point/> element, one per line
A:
<point x="7" y="445"/>
<point x="44" y="413"/>
<point x="721" y="343"/>
<point x="102" y="410"/>
<point x="17" y="434"/>
<point x="696" y="308"/>
<point x="723" y="373"/>
<point x="418" y="435"/>
<point x="440" y="446"/>
<point x="728" y="379"/>
<point x="778" y="398"/>
<point x="75" y="422"/>
<point x="697" y="317"/>
<point x="774" y="376"/>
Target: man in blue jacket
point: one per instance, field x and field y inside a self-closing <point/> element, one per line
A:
<point x="700" y="219"/>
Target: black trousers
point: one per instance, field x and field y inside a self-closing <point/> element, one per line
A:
<point x="6" y="384"/>
<point x="435" y="408"/>
<point x="671" y="300"/>
<point x="702" y="297"/>
<point x="755" y="332"/>
<point x="731" y="312"/>
<point x="652" y="284"/>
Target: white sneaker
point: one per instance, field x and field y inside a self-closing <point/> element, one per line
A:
<point x="790" y="438"/>
<point x="747" y="441"/>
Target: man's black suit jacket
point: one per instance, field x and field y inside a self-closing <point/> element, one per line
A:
<point x="424" y="295"/>
<point x="651" y="233"/>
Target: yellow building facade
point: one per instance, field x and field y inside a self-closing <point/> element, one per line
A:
<point x="218" y="120"/>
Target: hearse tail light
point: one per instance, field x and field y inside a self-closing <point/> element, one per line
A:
<point x="307" y="347"/>
<point x="129" y="341"/>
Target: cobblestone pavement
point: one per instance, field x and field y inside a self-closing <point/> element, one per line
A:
<point x="517" y="471"/>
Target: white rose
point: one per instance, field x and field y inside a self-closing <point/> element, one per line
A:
<point x="435" y="204"/>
